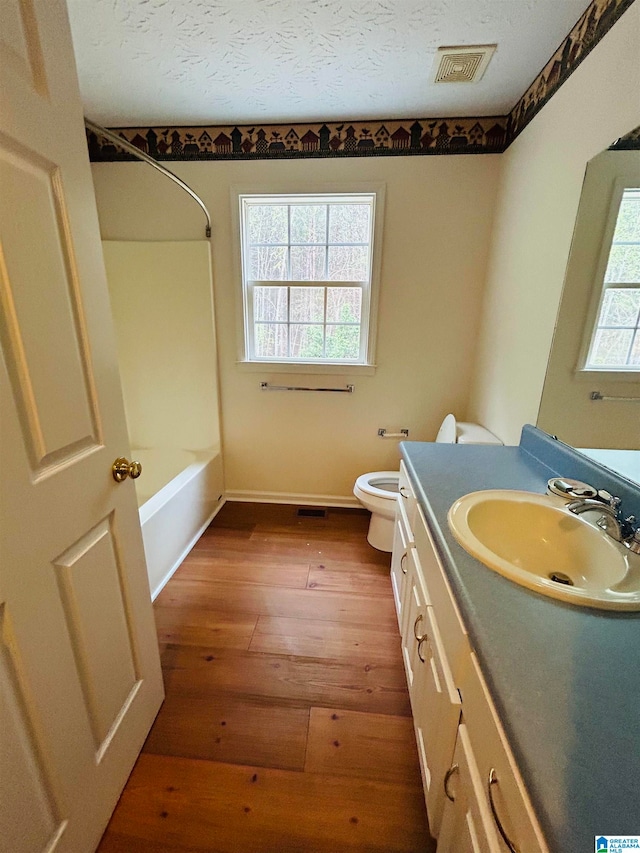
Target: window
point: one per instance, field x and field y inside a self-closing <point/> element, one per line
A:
<point x="307" y="273"/>
<point x="615" y="343"/>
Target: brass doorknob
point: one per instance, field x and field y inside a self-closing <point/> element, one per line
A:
<point x="122" y="468"/>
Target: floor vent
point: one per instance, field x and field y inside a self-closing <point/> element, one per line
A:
<point x="312" y="512"/>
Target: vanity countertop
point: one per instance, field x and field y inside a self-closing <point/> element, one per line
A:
<point x="565" y="679"/>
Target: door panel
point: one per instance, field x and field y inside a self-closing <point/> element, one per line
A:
<point x="20" y="45"/>
<point x="30" y="788"/>
<point x="43" y="314"/>
<point x="89" y="580"/>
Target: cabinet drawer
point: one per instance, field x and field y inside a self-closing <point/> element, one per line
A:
<point x="452" y="630"/>
<point x="407" y="495"/>
<point x="511" y="807"/>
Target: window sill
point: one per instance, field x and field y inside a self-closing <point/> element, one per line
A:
<point x="309" y="369"/>
<point x="607" y="375"/>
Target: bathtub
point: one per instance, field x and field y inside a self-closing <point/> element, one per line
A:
<point x="179" y="492"/>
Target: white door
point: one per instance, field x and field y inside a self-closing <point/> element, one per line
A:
<point x="80" y="679"/>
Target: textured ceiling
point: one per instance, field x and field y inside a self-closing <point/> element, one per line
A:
<point x="237" y="61"/>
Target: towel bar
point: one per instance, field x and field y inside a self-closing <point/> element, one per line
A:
<point x="596" y="395"/>
<point x="349" y="389"/>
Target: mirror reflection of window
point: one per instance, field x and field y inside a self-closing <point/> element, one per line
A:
<point x="615" y="343"/>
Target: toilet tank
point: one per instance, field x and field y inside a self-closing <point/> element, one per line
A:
<point x="475" y="434"/>
<point x="452" y="432"/>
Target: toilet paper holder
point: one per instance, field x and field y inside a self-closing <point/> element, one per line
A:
<point x="383" y="433"/>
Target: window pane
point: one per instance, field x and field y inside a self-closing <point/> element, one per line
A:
<point x="271" y="340"/>
<point x="628" y="223"/>
<point x="349" y="223"/>
<point x="343" y="342"/>
<point x="308" y="223"/>
<point x="307" y="304"/>
<point x="624" y="264"/>
<point x="344" y="304"/>
<point x="267" y="223"/>
<point x="635" y="350"/>
<point x="307" y="341"/>
<point x="620" y="307"/>
<point x="348" y="263"/>
<point x="268" y="263"/>
<point x="307" y="263"/>
<point x="611" y="347"/>
<point x="270" y="303"/>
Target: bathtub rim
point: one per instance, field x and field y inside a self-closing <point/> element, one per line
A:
<point x="157" y="501"/>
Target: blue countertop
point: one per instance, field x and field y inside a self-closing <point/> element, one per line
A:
<point x="565" y="679"/>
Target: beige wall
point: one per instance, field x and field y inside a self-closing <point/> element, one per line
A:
<point x="161" y="301"/>
<point x="438" y="215"/>
<point x="566" y="408"/>
<point x="540" y="185"/>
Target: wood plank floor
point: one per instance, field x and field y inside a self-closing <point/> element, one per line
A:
<point x="286" y="726"/>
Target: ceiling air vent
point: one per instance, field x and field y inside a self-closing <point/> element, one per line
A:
<point x="462" y="64"/>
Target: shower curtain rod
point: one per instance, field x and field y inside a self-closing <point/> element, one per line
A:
<point x="132" y="149"/>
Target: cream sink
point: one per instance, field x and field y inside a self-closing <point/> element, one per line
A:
<point x="533" y="540"/>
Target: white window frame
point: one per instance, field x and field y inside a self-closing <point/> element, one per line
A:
<point x="600" y="287"/>
<point x="365" y="363"/>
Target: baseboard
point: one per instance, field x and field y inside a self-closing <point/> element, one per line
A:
<point x="165" y="580"/>
<point x="349" y="502"/>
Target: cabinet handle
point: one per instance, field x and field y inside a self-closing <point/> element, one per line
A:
<point x="420" y="642"/>
<point x="403" y="563"/>
<point x="403" y="492"/>
<point x="493" y="780"/>
<point x="453" y="769"/>
<point x="415" y="627"/>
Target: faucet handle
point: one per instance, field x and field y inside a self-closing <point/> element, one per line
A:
<point x="630" y="530"/>
<point x="609" y="499"/>
<point x="633" y="544"/>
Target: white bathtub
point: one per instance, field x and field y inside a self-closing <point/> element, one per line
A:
<point x="179" y="492"/>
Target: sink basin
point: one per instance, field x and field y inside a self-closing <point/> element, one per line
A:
<point x="537" y="543"/>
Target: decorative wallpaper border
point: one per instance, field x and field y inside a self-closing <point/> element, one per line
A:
<point x="594" y="23"/>
<point x="629" y="142"/>
<point x="335" y="139"/>
<point x="396" y="137"/>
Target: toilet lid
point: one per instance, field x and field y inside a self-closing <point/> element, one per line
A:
<point x="447" y="434"/>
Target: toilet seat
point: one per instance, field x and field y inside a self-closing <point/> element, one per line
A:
<point x="379" y="484"/>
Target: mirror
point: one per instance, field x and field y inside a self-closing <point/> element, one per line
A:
<point x="608" y="429"/>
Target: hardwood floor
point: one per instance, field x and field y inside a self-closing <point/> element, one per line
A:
<point x="286" y="726"/>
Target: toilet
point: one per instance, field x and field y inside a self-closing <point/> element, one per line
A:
<point x="378" y="490"/>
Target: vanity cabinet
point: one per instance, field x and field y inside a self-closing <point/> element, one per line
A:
<point x="474" y="794"/>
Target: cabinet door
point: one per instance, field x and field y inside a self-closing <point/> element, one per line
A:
<point x="407" y="496"/>
<point x="512" y="811"/>
<point x="399" y="563"/>
<point x="466" y="821"/>
<point x="435" y="702"/>
<point x="436" y="714"/>
<point x="414" y="607"/>
<point x="452" y="629"/>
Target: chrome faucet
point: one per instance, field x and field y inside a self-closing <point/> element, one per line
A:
<point x="623" y="530"/>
